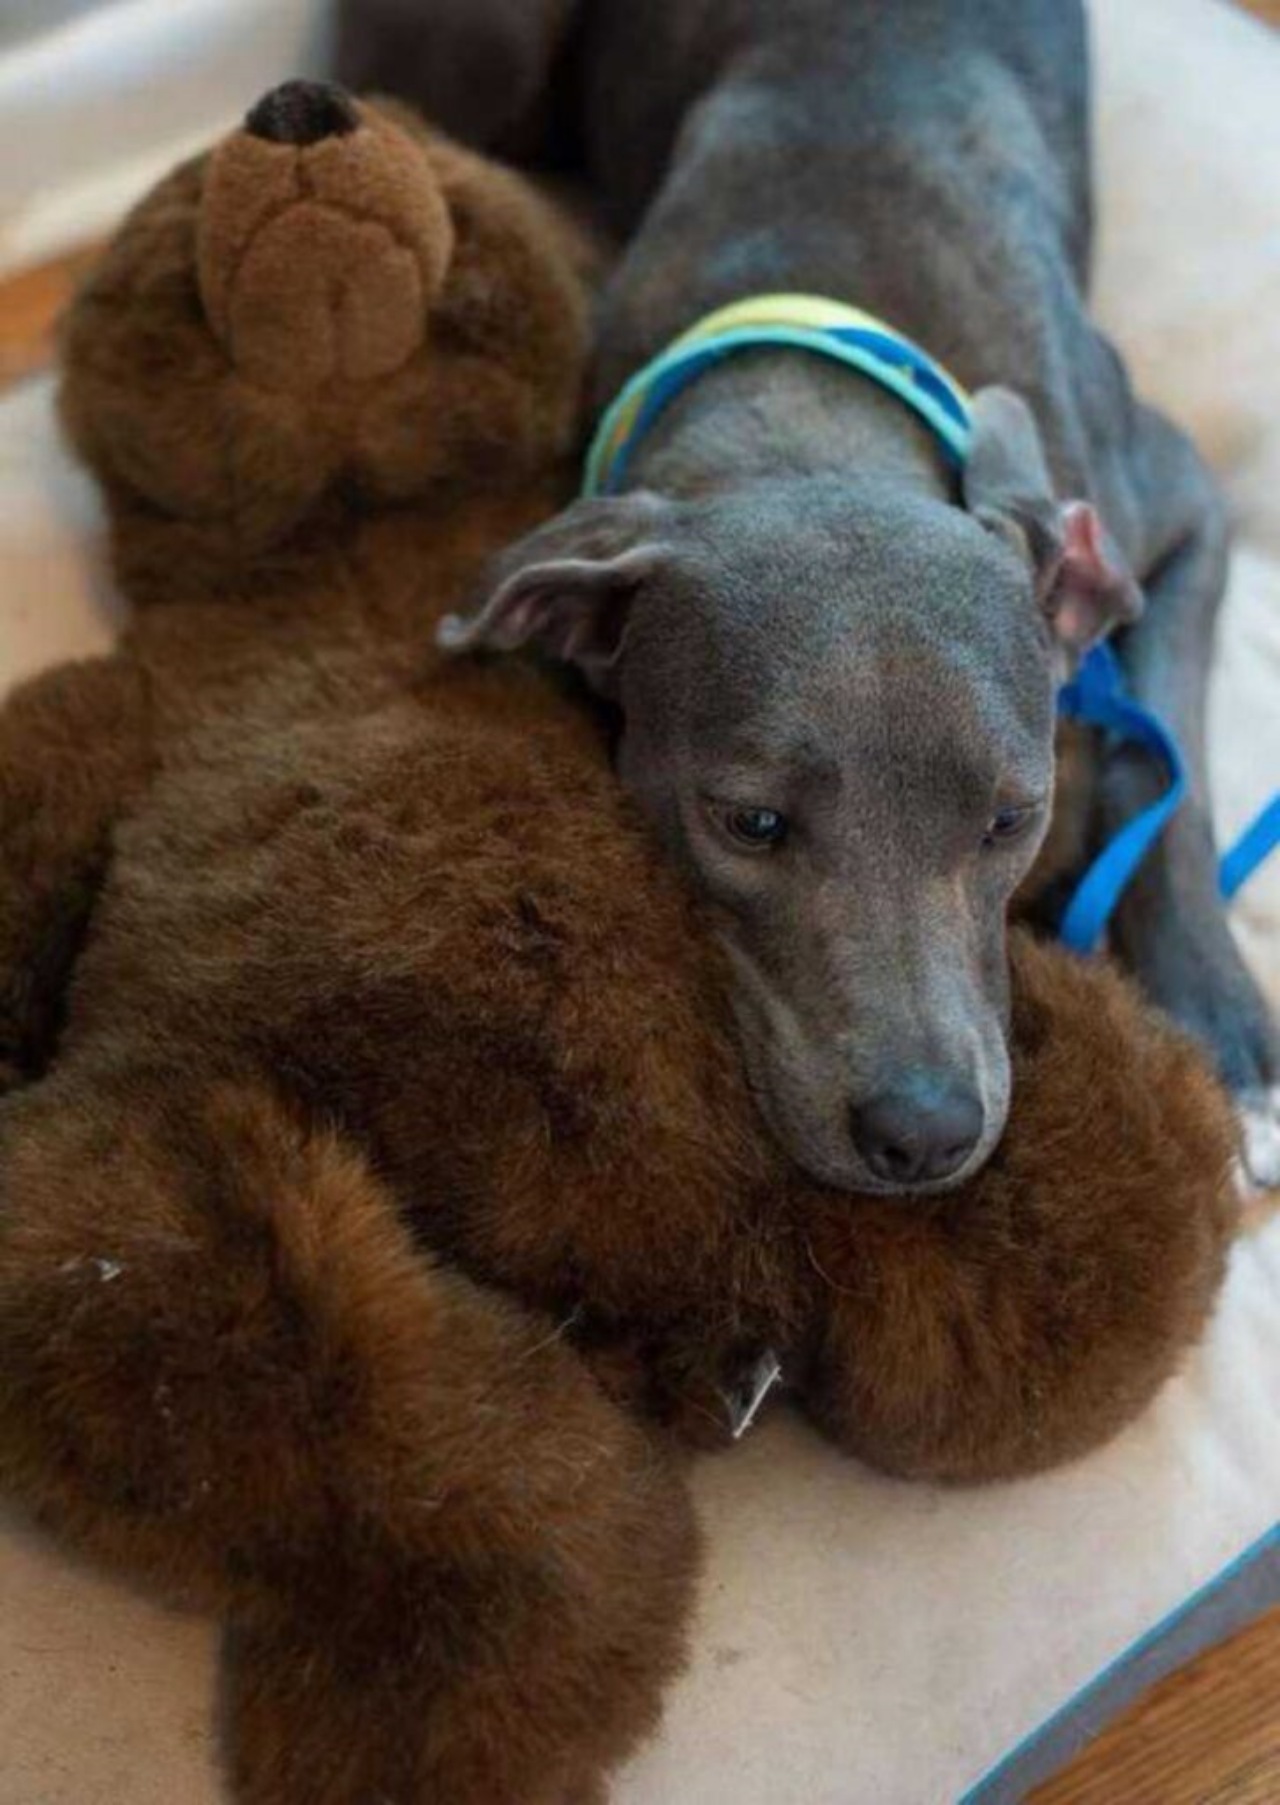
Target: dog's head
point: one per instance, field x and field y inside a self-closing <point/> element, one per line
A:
<point x="838" y="709"/>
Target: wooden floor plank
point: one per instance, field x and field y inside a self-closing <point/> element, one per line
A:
<point x="30" y="304"/>
<point x="1207" y="1735"/>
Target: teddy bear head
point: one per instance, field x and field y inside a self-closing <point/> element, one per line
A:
<point x="335" y="307"/>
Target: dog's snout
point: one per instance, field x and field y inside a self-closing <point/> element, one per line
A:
<point x="918" y="1130"/>
<point x="303" y="112"/>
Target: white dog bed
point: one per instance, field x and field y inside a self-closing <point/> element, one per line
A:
<point x="860" y="1642"/>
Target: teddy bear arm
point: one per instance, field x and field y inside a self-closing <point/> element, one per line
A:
<point x="1025" y="1318"/>
<point x="74" y="748"/>
<point x="230" y="1374"/>
<point x="969" y="1355"/>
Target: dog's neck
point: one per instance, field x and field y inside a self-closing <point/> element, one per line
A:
<point x="714" y="236"/>
<point x="785" y="413"/>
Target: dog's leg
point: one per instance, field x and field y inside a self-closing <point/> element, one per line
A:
<point x="480" y="69"/>
<point x="1171" y="928"/>
<point x="73" y="747"/>
<point x="452" y="1570"/>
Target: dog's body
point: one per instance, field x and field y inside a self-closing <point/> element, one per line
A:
<point x="805" y="631"/>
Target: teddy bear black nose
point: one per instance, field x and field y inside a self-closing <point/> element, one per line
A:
<point x="303" y="112"/>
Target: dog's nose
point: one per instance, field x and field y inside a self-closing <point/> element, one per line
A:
<point x="918" y="1130"/>
<point x="302" y="112"/>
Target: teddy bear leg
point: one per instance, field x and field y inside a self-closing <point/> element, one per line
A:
<point x="454" y="1571"/>
<point x="334" y="1717"/>
<point x="1023" y="1319"/>
<point x="58" y="804"/>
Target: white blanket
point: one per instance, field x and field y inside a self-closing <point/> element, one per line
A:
<point x="861" y="1642"/>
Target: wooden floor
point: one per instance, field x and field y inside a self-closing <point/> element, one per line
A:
<point x="1210" y="1734"/>
<point x="29" y="306"/>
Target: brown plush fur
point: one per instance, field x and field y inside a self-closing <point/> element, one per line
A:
<point x="383" y="1171"/>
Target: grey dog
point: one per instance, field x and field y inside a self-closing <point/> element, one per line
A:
<point x="835" y="658"/>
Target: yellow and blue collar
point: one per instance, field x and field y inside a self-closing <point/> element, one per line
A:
<point x="800" y="322"/>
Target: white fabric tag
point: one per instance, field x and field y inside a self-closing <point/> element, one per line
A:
<point x="743" y="1401"/>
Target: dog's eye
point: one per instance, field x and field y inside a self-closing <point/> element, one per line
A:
<point x="1007" y="823"/>
<point x="757" y="828"/>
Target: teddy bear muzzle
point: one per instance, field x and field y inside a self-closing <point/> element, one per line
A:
<point x="323" y="238"/>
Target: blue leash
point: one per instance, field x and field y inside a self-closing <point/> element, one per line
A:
<point x="1097" y="696"/>
<point x="1258" y="841"/>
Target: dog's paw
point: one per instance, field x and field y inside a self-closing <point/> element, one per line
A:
<point x="1260" y="1141"/>
<point x="1225" y="1010"/>
<point x="1194" y="971"/>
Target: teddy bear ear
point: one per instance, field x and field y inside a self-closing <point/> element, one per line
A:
<point x="1082" y="580"/>
<point x="323" y="239"/>
<point x="568" y="589"/>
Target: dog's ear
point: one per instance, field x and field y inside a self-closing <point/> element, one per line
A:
<point x="568" y="587"/>
<point x="1082" y="580"/>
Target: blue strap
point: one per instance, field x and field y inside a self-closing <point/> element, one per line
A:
<point x="1256" y="844"/>
<point x="1097" y="696"/>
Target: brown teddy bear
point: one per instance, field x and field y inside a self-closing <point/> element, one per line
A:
<point x="378" y="1179"/>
